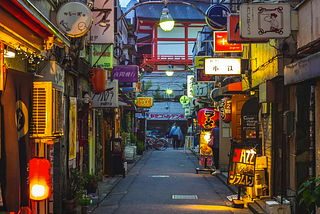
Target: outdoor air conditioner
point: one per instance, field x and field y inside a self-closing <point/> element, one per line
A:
<point x="47" y="112"/>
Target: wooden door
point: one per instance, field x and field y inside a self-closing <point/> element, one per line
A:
<point x="237" y="103"/>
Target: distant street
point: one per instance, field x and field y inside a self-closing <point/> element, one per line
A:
<point x="151" y="184"/>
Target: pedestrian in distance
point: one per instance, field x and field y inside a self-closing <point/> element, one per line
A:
<point x="176" y="134"/>
<point x="216" y="134"/>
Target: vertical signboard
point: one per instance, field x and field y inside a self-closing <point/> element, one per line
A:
<point x="103" y="24"/>
<point x="73" y="127"/>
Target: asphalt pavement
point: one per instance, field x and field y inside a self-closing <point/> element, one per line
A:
<point x="164" y="182"/>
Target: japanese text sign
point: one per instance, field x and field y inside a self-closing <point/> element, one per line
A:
<point x="221" y="44"/>
<point x="144" y="102"/>
<point x="234" y="31"/>
<point x="108" y="98"/>
<point x="200" y="90"/>
<point x="207" y="118"/>
<point x="125" y="73"/>
<point x="267" y="21"/>
<point x="242" y="166"/>
<point x="103" y="58"/>
<point x="222" y="66"/>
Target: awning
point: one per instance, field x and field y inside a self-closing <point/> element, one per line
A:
<point x="34" y="19"/>
<point x="233" y="88"/>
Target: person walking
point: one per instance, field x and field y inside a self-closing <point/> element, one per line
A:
<point x="216" y="146"/>
<point x="175" y="133"/>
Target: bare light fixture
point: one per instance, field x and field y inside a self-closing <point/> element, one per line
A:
<point x="103" y="21"/>
<point x="166" y="20"/>
<point x="169" y="71"/>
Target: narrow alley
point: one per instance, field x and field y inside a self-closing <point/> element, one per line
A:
<point x="166" y="182"/>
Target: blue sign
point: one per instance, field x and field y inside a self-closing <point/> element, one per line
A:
<point x="219" y="14"/>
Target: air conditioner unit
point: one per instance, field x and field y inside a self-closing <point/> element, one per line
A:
<point x="47" y="112"/>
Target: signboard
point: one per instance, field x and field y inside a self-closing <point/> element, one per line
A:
<point x="102" y="58"/>
<point x="190" y="85"/>
<point x="199" y="61"/>
<point x="108" y="98"/>
<point x="144" y="102"/>
<point x="189" y="141"/>
<point x="221" y="44"/>
<point x="125" y="73"/>
<point x="222" y="66"/>
<point x="187" y="112"/>
<point x="74" y="19"/>
<point x="219" y="14"/>
<point x="202" y="77"/>
<point x="184" y="100"/>
<point x="203" y="160"/>
<point x="166" y="117"/>
<point x="241" y="166"/>
<point x="200" y="90"/>
<point x="103" y="24"/>
<point x="265" y="21"/>
<point x="233" y="29"/>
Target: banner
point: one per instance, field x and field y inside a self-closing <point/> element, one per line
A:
<point x="16" y="152"/>
<point x="72" y="128"/>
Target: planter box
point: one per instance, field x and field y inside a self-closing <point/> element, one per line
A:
<point x="130" y="152"/>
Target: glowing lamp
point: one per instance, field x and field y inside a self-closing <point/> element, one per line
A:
<point x="39" y="179"/>
<point x="207" y="118"/>
<point x="225" y="108"/>
<point x="166" y="20"/>
<point x="98" y="80"/>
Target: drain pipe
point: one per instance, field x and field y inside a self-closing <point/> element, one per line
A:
<point x="312" y="131"/>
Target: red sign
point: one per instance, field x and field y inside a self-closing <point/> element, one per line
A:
<point x="221" y="43"/>
<point x="234" y="31"/>
<point x="207" y="118"/>
<point x="225" y="109"/>
<point x="203" y="160"/>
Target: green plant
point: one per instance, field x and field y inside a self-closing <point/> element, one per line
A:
<point x="140" y="146"/>
<point x="83" y="198"/>
<point x="74" y="184"/>
<point x="90" y="180"/>
<point x="310" y="193"/>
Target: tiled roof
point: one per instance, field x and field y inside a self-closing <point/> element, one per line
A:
<point x="179" y="12"/>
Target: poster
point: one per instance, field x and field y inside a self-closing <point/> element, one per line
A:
<point x="72" y="128"/>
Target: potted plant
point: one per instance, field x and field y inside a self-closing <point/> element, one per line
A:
<point x="90" y="181"/>
<point x="84" y="200"/>
<point x="140" y="147"/>
<point x="74" y="185"/>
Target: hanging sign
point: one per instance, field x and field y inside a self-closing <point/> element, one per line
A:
<point x="222" y="66"/>
<point x="242" y="166"/>
<point x="202" y="77"/>
<point x="200" y="90"/>
<point x="102" y="57"/>
<point x="265" y="21"/>
<point x="184" y="100"/>
<point x="74" y="19"/>
<point x="233" y="29"/>
<point x="221" y="44"/>
<point x="219" y="14"/>
<point x="225" y="109"/>
<point x="144" y="102"/>
<point x="125" y="73"/>
<point x="207" y="118"/>
<point x="108" y="98"/>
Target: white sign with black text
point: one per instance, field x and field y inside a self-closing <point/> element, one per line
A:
<point x="108" y="98"/>
<point x="222" y="66"/>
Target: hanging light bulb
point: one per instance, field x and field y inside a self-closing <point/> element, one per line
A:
<point x="169" y="91"/>
<point x="166" y="20"/>
<point x="169" y="71"/>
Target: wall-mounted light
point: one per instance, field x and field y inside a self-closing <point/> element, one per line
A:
<point x="169" y="71"/>
<point x="166" y="20"/>
<point x="103" y="21"/>
<point x="169" y="91"/>
<point x="8" y="53"/>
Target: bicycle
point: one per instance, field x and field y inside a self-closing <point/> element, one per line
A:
<point x="156" y="143"/>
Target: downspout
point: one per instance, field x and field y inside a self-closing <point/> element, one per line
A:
<point x="312" y="132"/>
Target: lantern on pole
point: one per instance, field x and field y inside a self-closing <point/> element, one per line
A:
<point x="225" y="108"/>
<point x="98" y="79"/>
<point x="207" y="118"/>
<point x="39" y="179"/>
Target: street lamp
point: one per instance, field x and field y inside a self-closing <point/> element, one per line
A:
<point x="169" y="71"/>
<point x="166" y="20"/>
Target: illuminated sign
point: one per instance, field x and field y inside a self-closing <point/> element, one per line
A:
<point x="144" y="102"/>
<point x="222" y="66"/>
<point x="242" y="166"/>
<point x="221" y="44"/>
<point x="184" y="100"/>
<point x="199" y="61"/>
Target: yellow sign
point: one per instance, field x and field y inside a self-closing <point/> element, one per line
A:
<point x="184" y="100"/>
<point x="144" y="102"/>
<point x="199" y="61"/>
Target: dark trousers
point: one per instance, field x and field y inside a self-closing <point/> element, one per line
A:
<point x="175" y="141"/>
<point x="216" y="157"/>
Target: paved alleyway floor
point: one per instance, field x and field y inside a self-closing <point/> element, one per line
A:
<point x="166" y="182"/>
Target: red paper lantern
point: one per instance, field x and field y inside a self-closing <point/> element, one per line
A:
<point x="225" y="108"/>
<point x="39" y="179"/>
<point x="98" y="80"/>
<point x="207" y="118"/>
